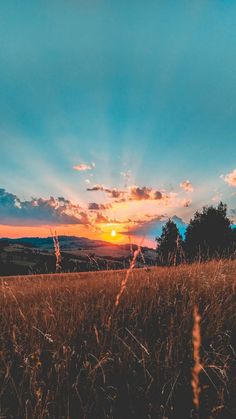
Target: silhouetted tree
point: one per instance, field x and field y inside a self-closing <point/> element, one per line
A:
<point x="169" y="245"/>
<point x="209" y="234"/>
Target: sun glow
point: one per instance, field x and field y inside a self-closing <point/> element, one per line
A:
<point x="113" y="233"/>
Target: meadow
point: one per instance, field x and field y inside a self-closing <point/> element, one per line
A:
<point x="68" y="351"/>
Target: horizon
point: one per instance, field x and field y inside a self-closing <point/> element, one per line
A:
<point x="106" y="133"/>
<point x="131" y="239"/>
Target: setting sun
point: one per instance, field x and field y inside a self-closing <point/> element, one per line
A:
<point x="113" y="233"/>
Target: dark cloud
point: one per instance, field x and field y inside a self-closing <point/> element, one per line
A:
<point x="111" y="192"/>
<point x="158" y="195"/>
<point x="98" y="207"/>
<point x="96" y="188"/>
<point x="100" y="218"/>
<point x="144" y="193"/>
<point x="39" y="211"/>
<point x="114" y="193"/>
<point x="139" y="194"/>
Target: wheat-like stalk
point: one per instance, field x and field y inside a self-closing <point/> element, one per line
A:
<point x="196" y="339"/>
<point x="125" y="280"/>
<point x="57" y="251"/>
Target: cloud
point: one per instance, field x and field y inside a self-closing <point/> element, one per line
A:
<point x="111" y="192"/>
<point x="96" y="188"/>
<point x="187" y="186"/>
<point x="95" y="207"/>
<point x="138" y="194"/>
<point x="153" y="227"/>
<point x="82" y="167"/>
<point x="144" y="227"/>
<point x="114" y="193"/>
<point x="104" y="219"/>
<point x="230" y="178"/>
<point x="39" y="211"/>
<point x="100" y="218"/>
<point x="134" y="193"/>
<point x="187" y="203"/>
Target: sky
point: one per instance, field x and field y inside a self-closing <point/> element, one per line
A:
<point x="115" y="116"/>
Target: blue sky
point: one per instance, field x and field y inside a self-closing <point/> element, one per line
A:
<point x="147" y="88"/>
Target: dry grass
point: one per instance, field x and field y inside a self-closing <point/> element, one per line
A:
<point x="59" y="359"/>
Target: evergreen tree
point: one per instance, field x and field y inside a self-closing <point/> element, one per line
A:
<point x="209" y="234"/>
<point x="169" y="245"/>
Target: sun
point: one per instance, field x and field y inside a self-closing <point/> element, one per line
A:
<point x="113" y="233"/>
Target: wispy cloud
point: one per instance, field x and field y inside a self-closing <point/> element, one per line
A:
<point x="187" y="186"/>
<point x="111" y="192"/>
<point x="126" y="176"/>
<point x="230" y="178"/>
<point x="83" y="167"/>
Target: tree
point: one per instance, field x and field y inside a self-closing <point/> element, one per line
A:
<point x="209" y="234"/>
<point x="169" y="245"/>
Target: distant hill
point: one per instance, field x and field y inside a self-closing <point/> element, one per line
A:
<point x="29" y="255"/>
<point x="65" y="242"/>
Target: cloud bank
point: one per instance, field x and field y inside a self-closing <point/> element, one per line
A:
<point x="39" y="211"/>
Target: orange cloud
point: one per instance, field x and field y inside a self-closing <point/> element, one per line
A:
<point x="83" y="167"/>
<point x="230" y="178"/>
<point x="187" y="186"/>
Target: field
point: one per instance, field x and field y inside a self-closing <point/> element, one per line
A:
<point x="68" y="352"/>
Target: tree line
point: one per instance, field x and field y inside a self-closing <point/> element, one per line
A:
<point x="209" y="235"/>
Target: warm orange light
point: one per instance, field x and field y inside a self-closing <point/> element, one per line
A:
<point x="113" y="233"/>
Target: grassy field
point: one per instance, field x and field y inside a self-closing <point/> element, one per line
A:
<point x="68" y="352"/>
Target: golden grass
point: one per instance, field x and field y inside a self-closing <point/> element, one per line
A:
<point x="58" y="359"/>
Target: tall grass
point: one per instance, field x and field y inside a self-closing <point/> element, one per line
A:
<point x="196" y="335"/>
<point x="59" y="360"/>
<point x="57" y="251"/>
